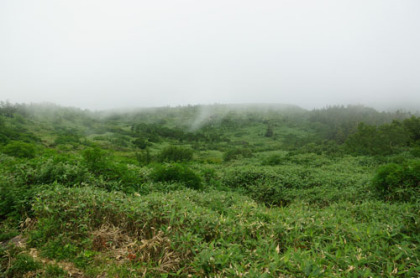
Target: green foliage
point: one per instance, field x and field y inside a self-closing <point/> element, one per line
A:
<point x="156" y="131"/>
<point x="8" y="109"/>
<point x="223" y="233"/>
<point x="415" y="151"/>
<point x="290" y="204"/>
<point x="22" y="265"/>
<point x="140" y="143"/>
<point x="237" y="154"/>
<point x="269" y="132"/>
<point x="95" y="159"/>
<point x="55" y="271"/>
<point x="383" y="140"/>
<point x="337" y="123"/>
<point x="412" y="125"/>
<point x="274" y="159"/>
<point x="176" y="173"/>
<point x="4" y="139"/>
<point x="261" y="185"/>
<point x="399" y="182"/>
<point x="20" y="149"/>
<point x="111" y="175"/>
<point x="175" y="154"/>
<point x="144" y="157"/>
<point x="15" y="201"/>
<point x="47" y="171"/>
<point x="70" y="138"/>
<point x="59" y="248"/>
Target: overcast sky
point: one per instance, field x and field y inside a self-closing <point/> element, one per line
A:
<point x="103" y="54"/>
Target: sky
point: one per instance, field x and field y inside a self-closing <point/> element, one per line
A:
<point x="102" y="54"/>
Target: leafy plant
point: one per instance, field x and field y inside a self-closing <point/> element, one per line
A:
<point x="176" y="173"/>
<point x="237" y="154"/>
<point x="95" y="159"/>
<point x="398" y="182"/>
<point x="22" y="265"/>
<point x="175" y="154"/>
<point x="20" y="149"/>
<point x="274" y="159"/>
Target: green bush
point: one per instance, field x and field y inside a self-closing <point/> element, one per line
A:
<point x="175" y="154"/>
<point x="140" y="143"/>
<point x="43" y="170"/>
<point x="111" y="175"/>
<point x="415" y="150"/>
<point x="95" y="159"/>
<point x="274" y="159"/>
<point x="15" y="200"/>
<point x="260" y="184"/>
<point x="20" y="149"/>
<point x="177" y="173"/>
<point x="72" y="139"/>
<point x="144" y="157"/>
<point x="236" y="154"/>
<point x="398" y="182"/>
<point x="4" y="139"/>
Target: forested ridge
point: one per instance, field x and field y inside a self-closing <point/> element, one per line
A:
<point x="209" y="191"/>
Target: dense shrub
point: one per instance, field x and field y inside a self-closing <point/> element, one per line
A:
<point x="382" y="140"/>
<point x="237" y="154"/>
<point x="112" y="175"/>
<point x="221" y="234"/>
<point x="95" y="159"/>
<point x="20" y="149"/>
<point x="175" y="154"/>
<point x="398" y="182"/>
<point x="262" y="185"/>
<point x="415" y="150"/>
<point x="120" y="141"/>
<point x="274" y="159"/>
<point x="140" y="143"/>
<point x="13" y="200"/>
<point x="4" y="139"/>
<point x="66" y="173"/>
<point x="72" y="139"/>
<point x="308" y="159"/>
<point x="177" y="173"/>
<point x="22" y="181"/>
<point x="144" y="157"/>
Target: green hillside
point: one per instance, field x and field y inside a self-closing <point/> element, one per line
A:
<point x="209" y="191"/>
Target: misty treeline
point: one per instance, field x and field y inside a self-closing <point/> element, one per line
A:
<point x="355" y="130"/>
<point x="215" y="190"/>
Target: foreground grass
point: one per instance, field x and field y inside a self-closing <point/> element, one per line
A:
<point x="222" y="234"/>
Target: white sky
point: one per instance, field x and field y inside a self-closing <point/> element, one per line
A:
<point x="122" y="53"/>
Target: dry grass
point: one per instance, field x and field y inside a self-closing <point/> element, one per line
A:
<point x="156" y="252"/>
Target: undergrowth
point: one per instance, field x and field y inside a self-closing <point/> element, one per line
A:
<point x="226" y="234"/>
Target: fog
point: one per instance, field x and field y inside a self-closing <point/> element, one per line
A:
<point x="102" y="54"/>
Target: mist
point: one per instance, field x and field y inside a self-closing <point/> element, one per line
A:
<point x="116" y="54"/>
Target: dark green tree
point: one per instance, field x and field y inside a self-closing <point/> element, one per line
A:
<point x="413" y="127"/>
<point x="269" y="132"/>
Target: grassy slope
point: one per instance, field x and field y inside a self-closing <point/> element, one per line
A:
<point x="333" y="225"/>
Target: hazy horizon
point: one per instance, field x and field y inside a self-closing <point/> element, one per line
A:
<point x="125" y="54"/>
